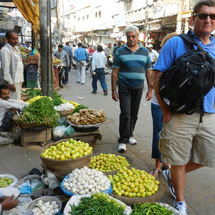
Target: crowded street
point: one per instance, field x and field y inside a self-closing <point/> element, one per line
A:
<point x="107" y="107"/>
<point x="20" y="160"/>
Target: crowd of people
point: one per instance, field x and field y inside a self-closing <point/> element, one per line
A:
<point x="181" y="143"/>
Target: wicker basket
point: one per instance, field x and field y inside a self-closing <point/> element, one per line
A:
<point x="66" y="166"/>
<point x="65" y="112"/>
<point x="153" y="198"/>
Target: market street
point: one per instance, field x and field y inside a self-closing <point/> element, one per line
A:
<point x="199" y="193"/>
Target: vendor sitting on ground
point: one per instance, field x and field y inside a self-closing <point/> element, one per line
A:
<point x="7" y="202"/>
<point x="8" y="108"/>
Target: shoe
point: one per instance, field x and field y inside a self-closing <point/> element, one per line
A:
<point x="132" y="141"/>
<point x="61" y="86"/>
<point x="122" y="147"/>
<point x="167" y="177"/>
<point x="181" y="207"/>
<point x="105" y="92"/>
<point x="94" y="92"/>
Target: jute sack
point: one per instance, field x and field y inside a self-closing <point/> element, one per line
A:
<point x="65" y="167"/>
<point x="153" y="198"/>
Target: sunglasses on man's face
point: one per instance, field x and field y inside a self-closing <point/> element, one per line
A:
<point x="205" y="15"/>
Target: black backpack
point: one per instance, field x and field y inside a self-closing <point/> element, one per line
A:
<point x="184" y="85"/>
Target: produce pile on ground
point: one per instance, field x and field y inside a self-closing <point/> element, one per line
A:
<point x="85" y="181"/>
<point x="108" y="162"/>
<point x="28" y="56"/>
<point x="40" y="112"/>
<point x="78" y="108"/>
<point x="87" y="117"/>
<point x="5" y="181"/>
<point x="150" y="208"/>
<point x="133" y="183"/>
<point x="98" y="204"/>
<point x="31" y="92"/>
<point x="70" y="149"/>
<point x="46" y="208"/>
<point x="64" y="106"/>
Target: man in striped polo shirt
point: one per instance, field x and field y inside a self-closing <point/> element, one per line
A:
<point x="130" y="67"/>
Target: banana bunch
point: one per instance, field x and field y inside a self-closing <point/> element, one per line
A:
<point x="36" y="98"/>
<point x="75" y="104"/>
<point x="57" y="61"/>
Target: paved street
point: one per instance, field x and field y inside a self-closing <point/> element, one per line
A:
<point x="200" y="187"/>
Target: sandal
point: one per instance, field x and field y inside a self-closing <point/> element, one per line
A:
<point x="165" y="167"/>
<point x="155" y="173"/>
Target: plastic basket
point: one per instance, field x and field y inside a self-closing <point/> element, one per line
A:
<point x="108" y="191"/>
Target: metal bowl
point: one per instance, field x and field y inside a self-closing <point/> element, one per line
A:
<point x="45" y="199"/>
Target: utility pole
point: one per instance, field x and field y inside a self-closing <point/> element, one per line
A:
<point x="178" y="27"/>
<point x="45" y="47"/>
<point x="147" y="23"/>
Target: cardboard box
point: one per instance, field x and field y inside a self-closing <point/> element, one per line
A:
<point x="35" y="136"/>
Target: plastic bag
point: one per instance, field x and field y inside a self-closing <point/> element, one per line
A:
<point x="36" y="184"/>
<point x="69" y="131"/>
<point x="60" y="130"/>
<point x="50" y="179"/>
<point x="25" y="187"/>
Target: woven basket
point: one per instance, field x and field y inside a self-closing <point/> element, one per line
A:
<point x="65" y="112"/>
<point x="66" y="166"/>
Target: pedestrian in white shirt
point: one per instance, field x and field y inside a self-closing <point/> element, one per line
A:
<point x="153" y="54"/>
<point x="12" y="66"/>
<point x="8" y="108"/>
<point x="98" y="65"/>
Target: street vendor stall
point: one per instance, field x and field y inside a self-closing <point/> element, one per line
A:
<point x="48" y="119"/>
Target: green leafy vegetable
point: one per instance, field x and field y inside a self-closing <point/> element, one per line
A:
<point x="40" y="112"/>
<point x="150" y="209"/>
<point x="96" y="206"/>
<point x="30" y="93"/>
<point x="78" y="108"/>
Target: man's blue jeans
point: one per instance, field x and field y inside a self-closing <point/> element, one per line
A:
<point x="100" y="74"/>
<point x="129" y="105"/>
<point x="65" y="79"/>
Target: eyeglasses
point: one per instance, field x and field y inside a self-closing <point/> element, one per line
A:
<point x="205" y="16"/>
<point x="132" y="36"/>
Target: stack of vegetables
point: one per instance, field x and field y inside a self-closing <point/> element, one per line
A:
<point x="99" y="204"/>
<point x="85" y="181"/>
<point x="40" y="112"/>
<point x="70" y="149"/>
<point x="108" y="162"/>
<point x="134" y="183"/>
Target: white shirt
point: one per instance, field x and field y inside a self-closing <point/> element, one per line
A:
<point x="10" y="104"/>
<point x="153" y="55"/>
<point x="99" y="61"/>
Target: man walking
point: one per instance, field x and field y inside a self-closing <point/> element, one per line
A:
<point x="68" y="49"/>
<point x="62" y="55"/>
<point x="153" y="54"/>
<point x="186" y="143"/>
<point x="12" y="66"/>
<point x="98" y="64"/>
<point x="131" y="65"/>
<point x="82" y="59"/>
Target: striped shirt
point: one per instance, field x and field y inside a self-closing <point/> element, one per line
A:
<point x="132" y="66"/>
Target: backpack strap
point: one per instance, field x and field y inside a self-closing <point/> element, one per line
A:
<point x="189" y="37"/>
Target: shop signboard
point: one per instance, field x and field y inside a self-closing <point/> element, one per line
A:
<point x="171" y="9"/>
<point x="156" y="11"/>
<point x="155" y="26"/>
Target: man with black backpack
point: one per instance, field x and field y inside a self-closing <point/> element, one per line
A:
<point x="187" y="140"/>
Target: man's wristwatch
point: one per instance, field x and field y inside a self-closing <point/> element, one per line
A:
<point x="114" y="92"/>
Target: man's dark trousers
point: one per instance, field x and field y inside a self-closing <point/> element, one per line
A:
<point x="129" y="105"/>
